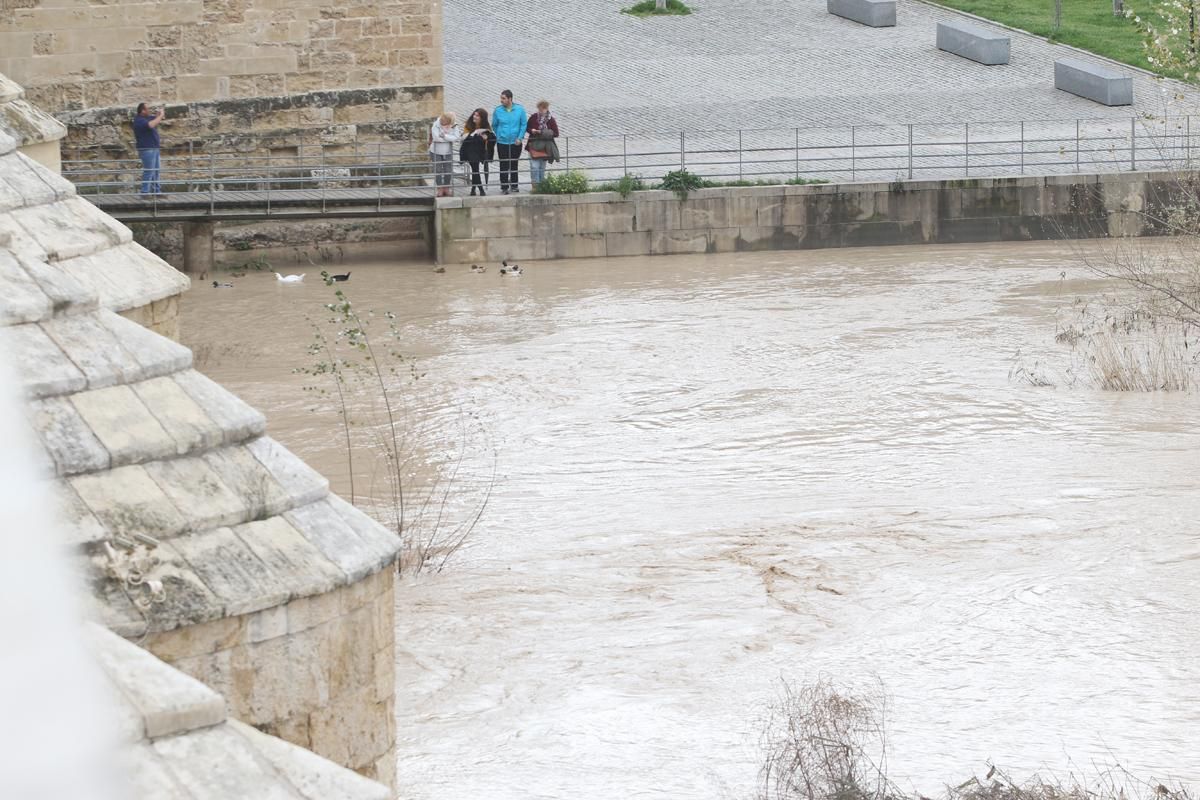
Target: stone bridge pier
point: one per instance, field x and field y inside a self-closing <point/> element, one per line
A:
<point x="197" y="247"/>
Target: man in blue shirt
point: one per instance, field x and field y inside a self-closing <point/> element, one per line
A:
<point x="508" y="123"/>
<point x="145" y="133"/>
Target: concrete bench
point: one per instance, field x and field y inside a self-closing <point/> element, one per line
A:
<point x="1093" y="81"/>
<point x="876" y="13"/>
<point x="973" y="42"/>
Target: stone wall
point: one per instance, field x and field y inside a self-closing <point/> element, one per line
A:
<point x="318" y="671"/>
<point x="488" y="229"/>
<point x="225" y="68"/>
<point x="324" y="244"/>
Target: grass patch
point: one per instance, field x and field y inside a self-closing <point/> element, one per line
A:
<point x="1086" y="24"/>
<point x="649" y="8"/>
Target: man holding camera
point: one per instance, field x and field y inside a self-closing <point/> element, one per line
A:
<point x="145" y="133"/>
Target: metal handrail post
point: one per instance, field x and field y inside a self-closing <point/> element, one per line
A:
<point x="797" y="153"/>
<point x="1189" y="141"/>
<point x="739" y="154"/>
<point x="270" y="174"/>
<point x="682" y="149"/>
<point x="624" y="154"/>
<point x="853" y="143"/>
<point x="966" y="149"/>
<point x="191" y="148"/>
<point x="1077" y="145"/>
<point x="910" y="152"/>
<point x="379" y="176"/>
<point x="1133" y="144"/>
<point x="324" y="180"/>
<point x="1022" y="147"/>
<point x="212" y="186"/>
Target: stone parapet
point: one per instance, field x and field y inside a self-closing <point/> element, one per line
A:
<point x="604" y="224"/>
<point x="317" y="671"/>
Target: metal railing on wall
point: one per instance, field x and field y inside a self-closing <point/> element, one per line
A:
<point x="387" y="171"/>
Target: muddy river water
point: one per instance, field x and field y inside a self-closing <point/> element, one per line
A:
<point x="716" y="473"/>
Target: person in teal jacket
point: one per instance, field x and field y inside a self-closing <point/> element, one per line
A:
<point x="508" y="123"/>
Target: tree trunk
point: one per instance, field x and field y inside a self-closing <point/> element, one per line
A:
<point x="1118" y="8"/>
<point x="1057" y="15"/>
<point x="660" y="5"/>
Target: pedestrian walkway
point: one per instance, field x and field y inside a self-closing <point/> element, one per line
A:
<point x="736" y="64"/>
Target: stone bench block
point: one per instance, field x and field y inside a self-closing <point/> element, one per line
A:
<point x="1093" y="81"/>
<point x="875" y="13"/>
<point x="973" y="42"/>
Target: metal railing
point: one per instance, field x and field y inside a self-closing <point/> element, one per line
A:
<point x="398" y="172"/>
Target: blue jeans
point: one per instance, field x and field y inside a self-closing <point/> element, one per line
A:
<point x="537" y="170"/>
<point x="151" y="164"/>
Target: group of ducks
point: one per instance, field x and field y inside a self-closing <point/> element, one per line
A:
<point x="506" y="269"/>
<point x="282" y="279"/>
<point x="513" y="270"/>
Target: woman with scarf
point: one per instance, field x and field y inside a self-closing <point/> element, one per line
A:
<point x="540" y="133"/>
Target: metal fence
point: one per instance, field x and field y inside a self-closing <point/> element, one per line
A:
<point x="387" y="170"/>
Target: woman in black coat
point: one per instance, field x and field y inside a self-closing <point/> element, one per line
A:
<point x="478" y="147"/>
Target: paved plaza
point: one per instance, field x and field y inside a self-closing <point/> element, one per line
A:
<point x="787" y="64"/>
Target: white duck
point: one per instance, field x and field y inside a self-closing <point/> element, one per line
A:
<point x="290" y="278"/>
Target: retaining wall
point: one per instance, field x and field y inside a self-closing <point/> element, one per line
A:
<point x="603" y="224"/>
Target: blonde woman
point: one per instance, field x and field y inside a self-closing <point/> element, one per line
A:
<point x="443" y="135"/>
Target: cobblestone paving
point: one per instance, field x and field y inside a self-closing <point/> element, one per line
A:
<point x="779" y="64"/>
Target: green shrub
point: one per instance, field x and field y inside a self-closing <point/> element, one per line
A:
<point x="572" y="181"/>
<point x="681" y="182"/>
<point x="625" y="186"/>
<point x="648" y="8"/>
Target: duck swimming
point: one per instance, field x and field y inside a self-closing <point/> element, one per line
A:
<point x="290" y="278"/>
<point x="222" y="285"/>
<point x="339" y="278"/>
<point x="505" y="269"/>
<point x="478" y="269"/>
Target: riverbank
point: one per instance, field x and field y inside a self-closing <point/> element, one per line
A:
<point x="607" y="224"/>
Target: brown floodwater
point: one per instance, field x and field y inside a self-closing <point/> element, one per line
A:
<point x="717" y="472"/>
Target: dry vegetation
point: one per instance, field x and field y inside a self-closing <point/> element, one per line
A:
<point x="822" y="741"/>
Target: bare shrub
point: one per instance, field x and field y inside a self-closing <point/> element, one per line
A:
<point x="824" y="742"/>
<point x="418" y="486"/>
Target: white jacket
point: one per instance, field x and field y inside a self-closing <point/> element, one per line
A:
<point x="442" y="139"/>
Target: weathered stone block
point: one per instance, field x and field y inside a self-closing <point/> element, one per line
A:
<point x="260" y="491"/>
<point x="972" y="42"/>
<point x="1093" y="81"/>
<point x="198" y="492"/>
<point x="285" y="551"/>
<point x="636" y="243"/>
<point x="123" y="424"/>
<point x="182" y="418"/>
<point x="489" y="222"/>
<point x="704" y="214"/>
<point x="67" y="437"/>
<point x="690" y="241"/>
<point x="612" y="217"/>
<point x="583" y="245"/>
<point x="874" y="13"/>
<point x="196" y="641"/>
<point x="302" y="483"/>
<point x="127" y="501"/>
